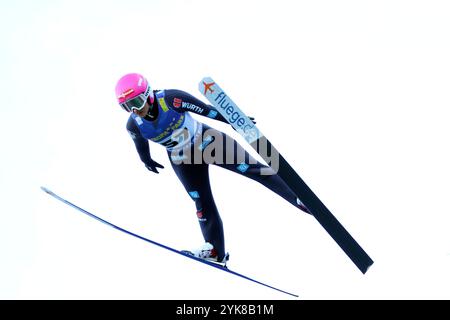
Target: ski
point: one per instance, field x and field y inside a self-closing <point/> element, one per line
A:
<point x="211" y="264"/>
<point x="245" y="127"/>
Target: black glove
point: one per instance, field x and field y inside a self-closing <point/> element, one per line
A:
<point x="153" y="165"/>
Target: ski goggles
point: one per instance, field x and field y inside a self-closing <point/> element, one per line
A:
<point x="138" y="102"/>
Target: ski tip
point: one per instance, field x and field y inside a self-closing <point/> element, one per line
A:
<point x="46" y="190"/>
<point x="207" y="79"/>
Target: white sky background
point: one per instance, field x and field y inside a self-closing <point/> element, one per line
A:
<point x="355" y="94"/>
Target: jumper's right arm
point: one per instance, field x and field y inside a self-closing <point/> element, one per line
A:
<point x="142" y="146"/>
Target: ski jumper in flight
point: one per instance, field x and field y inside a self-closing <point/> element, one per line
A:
<point x="164" y="117"/>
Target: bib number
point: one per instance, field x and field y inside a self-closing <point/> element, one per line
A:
<point x="178" y="137"/>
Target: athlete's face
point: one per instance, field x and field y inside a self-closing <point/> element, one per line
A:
<point x="142" y="113"/>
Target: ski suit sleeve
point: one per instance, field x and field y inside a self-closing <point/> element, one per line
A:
<point x="181" y="101"/>
<point x="140" y="142"/>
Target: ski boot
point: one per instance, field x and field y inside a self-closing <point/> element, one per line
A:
<point x="208" y="253"/>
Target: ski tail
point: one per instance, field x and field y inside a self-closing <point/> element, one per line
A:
<point x="322" y="214"/>
<point x="211" y="264"/>
<point x="328" y="221"/>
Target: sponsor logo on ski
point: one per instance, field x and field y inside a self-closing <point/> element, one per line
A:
<point x="236" y="118"/>
<point x="240" y="122"/>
